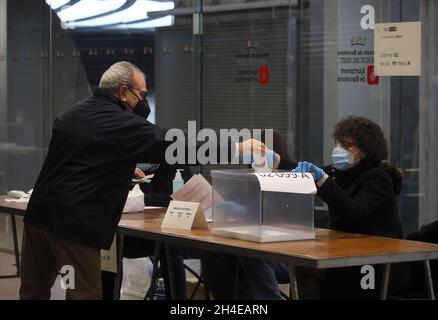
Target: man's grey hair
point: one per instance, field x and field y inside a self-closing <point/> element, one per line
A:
<point x="119" y="74"/>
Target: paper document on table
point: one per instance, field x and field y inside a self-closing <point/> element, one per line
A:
<point x="197" y="189"/>
<point x="289" y="182"/>
<point x="19" y="196"/>
<point x="21" y="200"/>
<point x="145" y="179"/>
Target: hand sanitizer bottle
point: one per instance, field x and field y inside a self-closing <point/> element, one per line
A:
<point x="178" y="182"/>
<point x="160" y="292"/>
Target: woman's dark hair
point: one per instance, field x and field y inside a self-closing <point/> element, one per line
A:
<point x="367" y="134"/>
<point x="370" y="140"/>
<point x="279" y="144"/>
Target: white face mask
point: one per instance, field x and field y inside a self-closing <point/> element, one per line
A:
<point x="343" y="159"/>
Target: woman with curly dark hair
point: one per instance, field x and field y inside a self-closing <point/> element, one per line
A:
<point x="360" y="189"/>
<point x="361" y="185"/>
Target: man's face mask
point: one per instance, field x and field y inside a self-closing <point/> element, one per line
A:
<point x="142" y="109"/>
<point x="342" y="159"/>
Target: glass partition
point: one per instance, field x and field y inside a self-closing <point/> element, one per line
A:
<point x="297" y="66"/>
<point x="337" y="39"/>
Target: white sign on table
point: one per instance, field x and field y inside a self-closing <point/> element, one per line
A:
<point x="397" y="49"/>
<point x="184" y="215"/>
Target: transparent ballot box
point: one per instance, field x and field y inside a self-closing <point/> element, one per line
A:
<point x="263" y="207"/>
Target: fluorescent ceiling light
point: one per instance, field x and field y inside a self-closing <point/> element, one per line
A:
<point x="149" y="24"/>
<point x="88" y="8"/>
<point x="56" y="4"/>
<point x="138" y="11"/>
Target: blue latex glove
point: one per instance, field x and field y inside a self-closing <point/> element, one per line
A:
<point x="305" y="166"/>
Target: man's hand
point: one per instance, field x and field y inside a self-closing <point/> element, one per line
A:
<point x="277" y="160"/>
<point x="271" y="160"/>
<point x="252" y="146"/>
<point x="139" y="173"/>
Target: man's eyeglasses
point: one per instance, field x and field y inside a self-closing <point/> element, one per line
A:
<point x="143" y="94"/>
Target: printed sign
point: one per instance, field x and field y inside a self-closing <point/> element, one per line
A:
<point x="397" y="49"/>
<point x="184" y="215"/>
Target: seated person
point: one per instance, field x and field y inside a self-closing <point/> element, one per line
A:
<point x="360" y="189"/>
<point x="417" y="281"/>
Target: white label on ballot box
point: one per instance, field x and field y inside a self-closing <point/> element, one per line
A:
<point x="291" y="182"/>
<point x="184" y="215"/>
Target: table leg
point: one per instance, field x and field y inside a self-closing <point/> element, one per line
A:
<point x="293" y="291"/>
<point x="206" y="289"/>
<point x="151" y="292"/>
<point x="16" y="251"/>
<point x="119" y="274"/>
<point x="429" y="281"/>
<point x="385" y="281"/>
<point x="171" y="273"/>
<point x="16" y="248"/>
<point x="236" y="280"/>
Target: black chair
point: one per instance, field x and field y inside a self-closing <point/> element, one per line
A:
<point x="417" y="282"/>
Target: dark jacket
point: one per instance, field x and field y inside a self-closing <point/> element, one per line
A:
<point x="86" y="176"/>
<point x="360" y="200"/>
<point x="363" y="200"/>
<point x="158" y="191"/>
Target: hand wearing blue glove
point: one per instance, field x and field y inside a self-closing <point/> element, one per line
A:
<point x="305" y="166"/>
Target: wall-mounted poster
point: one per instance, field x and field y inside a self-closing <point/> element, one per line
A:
<point x="397" y="49"/>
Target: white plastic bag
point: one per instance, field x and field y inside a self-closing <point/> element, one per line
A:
<point x="135" y="201"/>
<point x="136" y="279"/>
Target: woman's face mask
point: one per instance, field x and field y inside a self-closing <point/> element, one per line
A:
<point x="343" y="159"/>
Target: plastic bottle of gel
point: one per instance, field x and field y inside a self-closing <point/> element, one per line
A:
<point x="160" y="292"/>
<point x="178" y="182"/>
